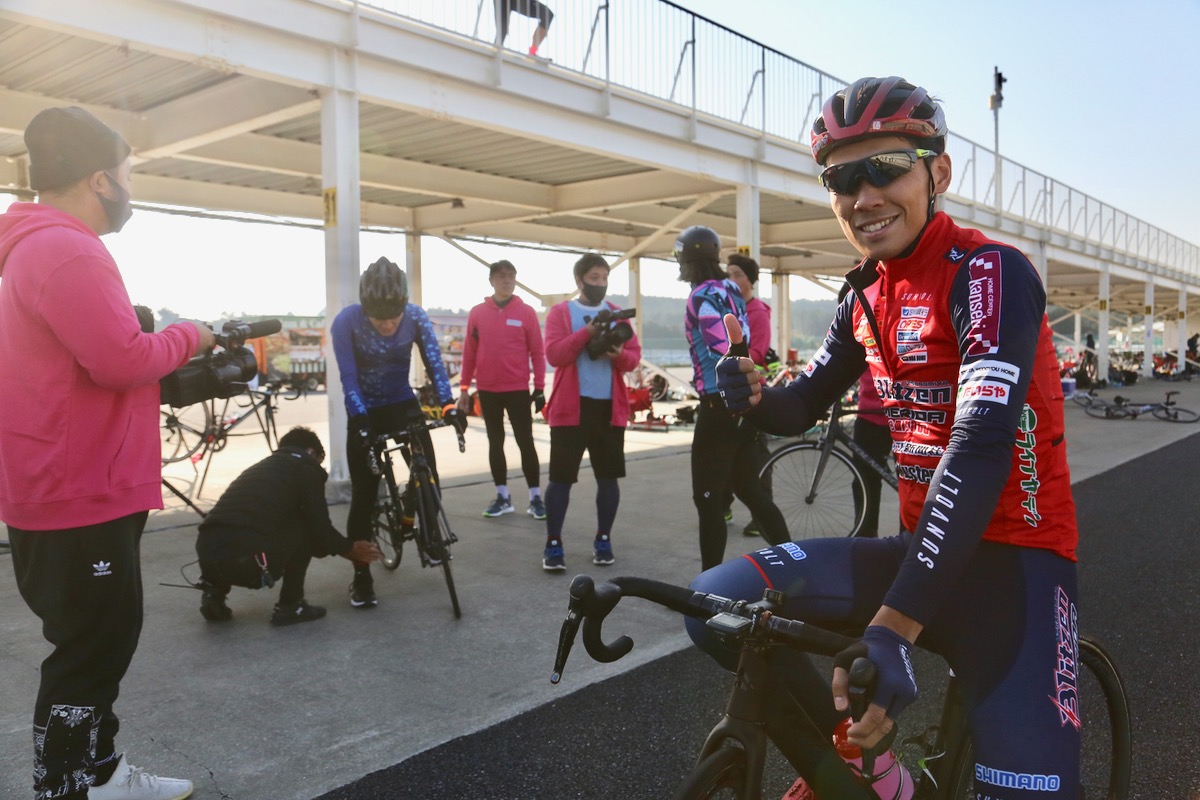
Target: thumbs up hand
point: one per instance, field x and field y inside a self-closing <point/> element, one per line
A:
<point x="738" y="382"/>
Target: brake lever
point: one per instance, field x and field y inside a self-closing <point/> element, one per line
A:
<point x="582" y="589"/>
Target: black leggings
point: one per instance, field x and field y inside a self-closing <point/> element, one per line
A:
<point x="85" y="584"/>
<point x="520" y="416"/>
<point x="723" y="453"/>
<point x="364" y="484"/>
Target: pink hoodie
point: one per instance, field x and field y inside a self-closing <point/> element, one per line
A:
<point x="500" y="346"/>
<point x="79" y="396"/>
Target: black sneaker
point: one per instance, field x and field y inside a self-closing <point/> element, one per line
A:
<point x="292" y="613"/>
<point x="212" y="604"/>
<point x="362" y="591"/>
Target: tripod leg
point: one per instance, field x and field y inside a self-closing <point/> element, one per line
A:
<point x="183" y="497"/>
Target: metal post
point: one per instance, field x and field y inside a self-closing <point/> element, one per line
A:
<point x="994" y="103"/>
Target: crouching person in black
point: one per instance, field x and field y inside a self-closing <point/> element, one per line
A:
<point x="269" y="524"/>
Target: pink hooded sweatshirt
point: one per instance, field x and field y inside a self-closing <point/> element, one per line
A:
<point x="502" y="347"/>
<point x="79" y="396"/>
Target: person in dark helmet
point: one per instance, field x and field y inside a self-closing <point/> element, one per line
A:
<point x="952" y="327"/>
<point x="373" y="342"/>
<point x="269" y="525"/>
<point x="79" y="446"/>
<point x="723" y="449"/>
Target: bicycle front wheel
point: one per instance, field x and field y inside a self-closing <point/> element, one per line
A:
<point x="1106" y="756"/>
<point x="719" y="776"/>
<point x="1101" y="410"/>
<point x="386" y="528"/>
<point x="435" y="535"/>
<point x="819" y="493"/>
<point x="1174" y="413"/>
<point x="183" y="431"/>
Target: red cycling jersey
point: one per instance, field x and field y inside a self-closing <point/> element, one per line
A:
<point x="957" y="342"/>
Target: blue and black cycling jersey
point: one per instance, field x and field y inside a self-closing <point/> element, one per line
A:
<point x="374" y="368"/>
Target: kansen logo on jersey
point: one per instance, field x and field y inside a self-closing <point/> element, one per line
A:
<point x="1066" y="687"/>
<point x="989" y="370"/>
<point x="984" y="300"/>
<point x="987" y="391"/>
<point x="1027" y="458"/>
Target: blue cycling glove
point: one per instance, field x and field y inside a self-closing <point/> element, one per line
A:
<point x="895" y="684"/>
<point x="734" y="385"/>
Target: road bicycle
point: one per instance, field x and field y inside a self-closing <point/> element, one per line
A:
<point x="428" y="529"/>
<point x="817" y="484"/>
<point x="731" y="762"/>
<point x="1124" y="408"/>
<point x="191" y="432"/>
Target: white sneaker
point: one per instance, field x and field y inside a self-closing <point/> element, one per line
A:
<point x="132" y="783"/>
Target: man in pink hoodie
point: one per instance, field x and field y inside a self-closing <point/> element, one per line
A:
<point x="503" y="343"/>
<point x="80" y="451"/>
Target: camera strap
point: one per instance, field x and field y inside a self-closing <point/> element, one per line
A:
<point x="267" y="580"/>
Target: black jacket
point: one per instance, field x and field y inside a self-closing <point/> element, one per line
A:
<point x="275" y="506"/>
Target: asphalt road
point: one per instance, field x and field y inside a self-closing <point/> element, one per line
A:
<point x="635" y="735"/>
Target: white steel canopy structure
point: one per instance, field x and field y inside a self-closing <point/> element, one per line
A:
<point x="413" y="117"/>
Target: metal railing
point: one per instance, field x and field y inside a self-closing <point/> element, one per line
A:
<point x="667" y="52"/>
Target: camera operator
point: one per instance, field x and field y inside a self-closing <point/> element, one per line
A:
<point x="589" y="407"/>
<point x="373" y="343"/>
<point x="270" y="524"/>
<point x="723" y="449"/>
<point x="80" y="454"/>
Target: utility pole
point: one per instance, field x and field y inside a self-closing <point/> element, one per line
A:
<point x="994" y="103"/>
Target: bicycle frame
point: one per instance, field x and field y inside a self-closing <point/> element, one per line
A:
<point x="834" y="434"/>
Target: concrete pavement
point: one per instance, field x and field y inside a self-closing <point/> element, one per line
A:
<point x="248" y="711"/>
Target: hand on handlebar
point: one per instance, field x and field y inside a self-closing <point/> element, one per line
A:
<point x="455" y="417"/>
<point x="739" y="383"/>
<point x="895" y="686"/>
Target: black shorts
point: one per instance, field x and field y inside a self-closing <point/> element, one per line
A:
<point x="595" y="433"/>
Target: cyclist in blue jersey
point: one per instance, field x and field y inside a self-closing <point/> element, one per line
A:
<point x="373" y="342"/>
<point x="723" y="450"/>
<point x="953" y="329"/>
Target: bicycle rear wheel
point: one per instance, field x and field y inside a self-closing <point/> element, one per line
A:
<point x="1174" y="413"/>
<point x="183" y="430"/>
<point x="386" y="528"/>
<point x="435" y="535"/>
<point x="1106" y="756"/>
<point x="719" y="776"/>
<point x="833" y="507"/>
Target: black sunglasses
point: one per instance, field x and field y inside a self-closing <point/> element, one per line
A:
<point x="879" y="169"/>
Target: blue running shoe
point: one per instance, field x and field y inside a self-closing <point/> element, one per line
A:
<point x="602" y="552"/>
<point x="537" y="509"/>
<point x="501" y="505"/>
<point x="552" y="558"/>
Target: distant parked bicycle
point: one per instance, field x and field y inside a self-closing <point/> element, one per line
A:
<point x="429" y="530"/>
<point x="1124" y="408"/>
<point x="818" y="486"/>
<point x="195" y="429"/>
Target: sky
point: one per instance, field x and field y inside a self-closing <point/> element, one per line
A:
<point x="1103" y="96"/>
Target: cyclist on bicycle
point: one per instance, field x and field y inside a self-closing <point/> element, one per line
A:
<point x="373" y="342"/>
<point x="952" y="326"/>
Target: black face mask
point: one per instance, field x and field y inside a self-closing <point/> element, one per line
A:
<point x="118" y="211"/>
<point x="594" y="295"/>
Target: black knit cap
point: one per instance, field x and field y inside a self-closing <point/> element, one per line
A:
<point x="68" y="144"/>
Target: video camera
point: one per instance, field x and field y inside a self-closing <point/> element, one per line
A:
<point x="221" y="375"/>
<point x="610" y="333"/>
